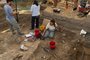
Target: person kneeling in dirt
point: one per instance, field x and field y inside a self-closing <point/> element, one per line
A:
<point x="10" y="17"/>
<point x="50" y="30"/>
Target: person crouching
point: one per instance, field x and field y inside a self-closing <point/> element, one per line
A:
<point x="50" y="30"/>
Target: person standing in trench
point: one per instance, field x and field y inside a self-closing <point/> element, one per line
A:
<point x="10" y="17"/>
<point x="35" y="9"/>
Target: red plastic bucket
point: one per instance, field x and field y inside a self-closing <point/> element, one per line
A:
<point x="37" y="32"/>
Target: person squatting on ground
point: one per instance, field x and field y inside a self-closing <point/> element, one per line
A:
<point x="83" y="3"/>
<point x="50" y="29"/>
<point x="35" y="9"/>
<point x="10" y="17"/>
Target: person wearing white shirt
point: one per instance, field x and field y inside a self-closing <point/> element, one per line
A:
<point x="35" y="9"/>
<point x="50" y="29"/>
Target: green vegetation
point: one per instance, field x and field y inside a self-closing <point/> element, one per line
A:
<point x="25" y="5"/>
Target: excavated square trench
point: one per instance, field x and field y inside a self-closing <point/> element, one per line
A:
<point x="65" y="44"/>
<point x="68" y="45"/>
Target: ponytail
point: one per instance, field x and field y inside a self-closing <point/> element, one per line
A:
<point x="36" y="2"/>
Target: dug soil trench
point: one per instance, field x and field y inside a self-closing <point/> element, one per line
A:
<point x="68" y="42"/>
